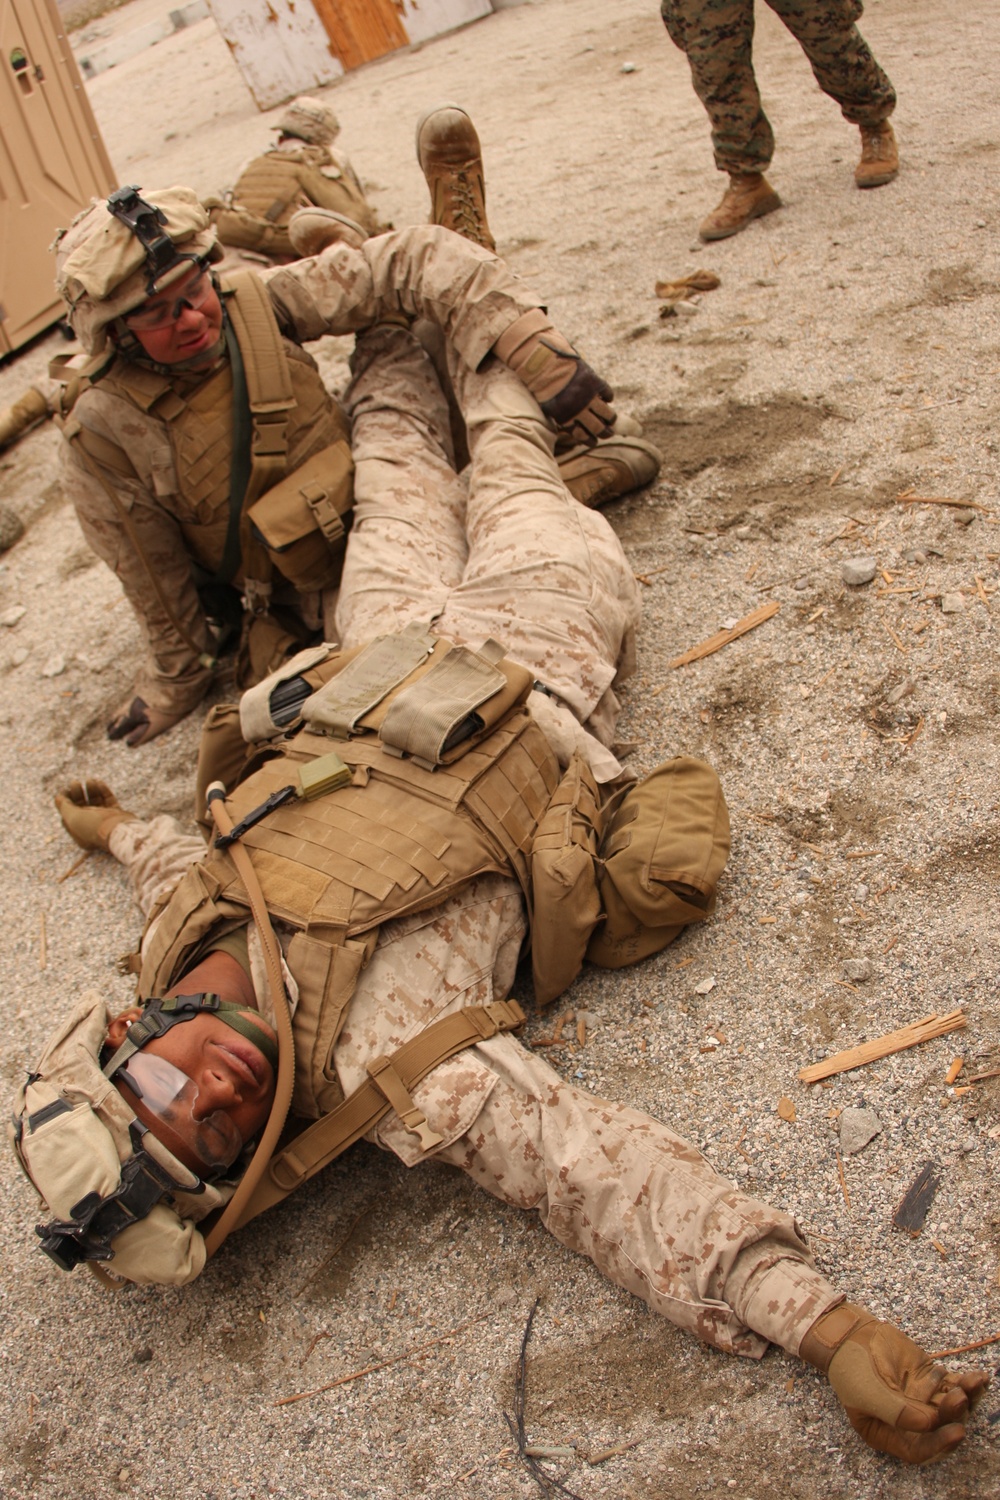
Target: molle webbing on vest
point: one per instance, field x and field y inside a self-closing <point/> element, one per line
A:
<point x="341" y="703"/>
<point x="400" y="839"/>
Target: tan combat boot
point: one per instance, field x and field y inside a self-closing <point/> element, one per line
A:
<point x="451" y="159"/>
<point x="313" y="229"/>
<point x="879" y="155"/>
<point x="748" y="196"/>
<point x="611" y="468"/>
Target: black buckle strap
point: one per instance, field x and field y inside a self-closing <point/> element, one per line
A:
<point x="95" y="1221"/>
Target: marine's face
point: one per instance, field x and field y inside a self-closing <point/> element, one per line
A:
<point x="180" y="323"/>
<point x="233" y="1085"/>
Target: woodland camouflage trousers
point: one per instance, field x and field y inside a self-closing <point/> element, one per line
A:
<point x="717" y="38"/>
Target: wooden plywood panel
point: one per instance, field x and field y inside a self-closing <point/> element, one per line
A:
<point x="280" y="46"/>
<point x="361" y="30"/>
<point x="52" y="161"/>
<point x="426" y="18"/>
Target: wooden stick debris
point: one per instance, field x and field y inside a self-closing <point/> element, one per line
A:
<point x="982" y="1077"/>
<point x="843" y="1179"/>
<point x="382" y="1365"/>
<point x="547" y="1483"/>
<point x="894" y="1041"/>
<point x="77" y="863"/>
<point x="332" y="1255"/>
<point x="723" y="637"/>
<point x="906" y="498"/>
<point x="600" y="1458"/>
<point x="967" y="1348"/>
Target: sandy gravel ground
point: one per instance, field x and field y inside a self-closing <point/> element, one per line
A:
<point x="849" y="357"/>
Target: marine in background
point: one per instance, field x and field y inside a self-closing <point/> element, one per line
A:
<point x="301" y="170"/>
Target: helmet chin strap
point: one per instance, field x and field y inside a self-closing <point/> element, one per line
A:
<point x="159" y="1016"/>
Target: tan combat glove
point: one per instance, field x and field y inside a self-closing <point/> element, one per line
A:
<point x="573" y="397"/>
<point x="89" y="810"/>
<point x="136" y="723"/>
<point x="895" y="1396"/>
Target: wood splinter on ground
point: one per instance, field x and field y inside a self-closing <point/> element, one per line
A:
<point x="894" y="1041"/>
<point x="723" y="637"/>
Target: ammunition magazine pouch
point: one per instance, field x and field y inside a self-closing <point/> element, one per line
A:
<point x="303" y="520"/>
<point x="423" y="697"/>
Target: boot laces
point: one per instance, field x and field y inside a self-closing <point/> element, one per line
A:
<point x="463" y="208"/>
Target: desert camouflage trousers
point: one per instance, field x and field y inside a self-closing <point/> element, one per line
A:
<point x="717" y="37"/>
<point x="608" y="1181"/>
<point x="501" y="550"/>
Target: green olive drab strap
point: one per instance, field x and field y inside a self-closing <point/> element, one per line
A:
<point x="389" y="1085"/>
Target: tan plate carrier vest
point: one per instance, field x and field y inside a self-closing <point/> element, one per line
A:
<point x="399" y="839"/>
<point x="292" y="418"/>
<point x="274" y="186"/>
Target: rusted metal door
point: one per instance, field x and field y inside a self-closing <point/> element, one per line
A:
<point x="52" y="161"/>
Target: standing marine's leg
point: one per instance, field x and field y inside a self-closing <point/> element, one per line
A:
<point x="717" y="38"/>
<point x="844" y="68"/>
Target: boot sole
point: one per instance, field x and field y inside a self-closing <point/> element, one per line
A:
<point x="766" y="206"/>
<point x="879" y="181"/>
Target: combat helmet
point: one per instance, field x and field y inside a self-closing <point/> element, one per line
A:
<point x="309" y="120"/>
<point x="125" y="248"/>
<point x="116" y="1191"/>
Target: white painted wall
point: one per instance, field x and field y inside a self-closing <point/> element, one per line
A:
<point x="280" y="46"/>
<point x="426" y="18"/>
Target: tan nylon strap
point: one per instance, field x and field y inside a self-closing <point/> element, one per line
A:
<point x="364" y="682"/>
<point x="269" y="383"/>
<point x="388" y="1082"/>
<point x="271" y="397"/>
<point x="285" y="1082"/>
<point x="326" y="1139"/>
<point x="426" y="712"/>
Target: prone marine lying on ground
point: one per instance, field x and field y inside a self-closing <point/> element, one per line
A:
<point x="301" y="170"/>
<point x="410" y="799"/>
<point x="207" y="463"/>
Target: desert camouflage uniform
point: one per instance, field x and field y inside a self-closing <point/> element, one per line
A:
<point x="717" y="37"/>
<point x="424" y="272"/>
<point x="607" y="1181"/>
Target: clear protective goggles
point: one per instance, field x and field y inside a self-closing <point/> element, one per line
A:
<point x="171" y="1096"/>
<point x="194" y="291"/>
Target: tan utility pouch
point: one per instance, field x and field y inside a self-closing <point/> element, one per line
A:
<point x="243" y="230"/>
<point x="666" y="845"/>
<point x="303" y="520"/>
<point x="566" y="906"/>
